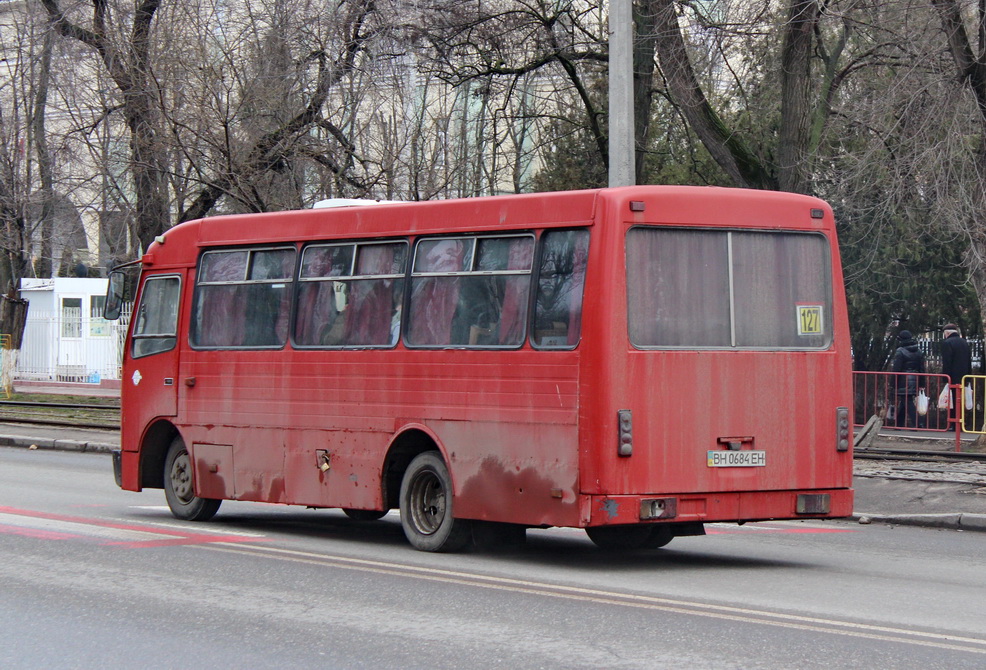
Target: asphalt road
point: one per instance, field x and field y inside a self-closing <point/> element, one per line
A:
<point x="97" y="577"/>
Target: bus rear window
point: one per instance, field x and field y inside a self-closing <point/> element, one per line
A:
<point x="715" y="288"/>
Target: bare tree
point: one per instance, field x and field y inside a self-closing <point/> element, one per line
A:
<point x="477" y="43"/>
<point x="969" y="194"/>
<point x="121" y="35"/>
<point x="253" y="149"/>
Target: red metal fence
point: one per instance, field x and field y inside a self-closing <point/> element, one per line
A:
<point x="896" y="398"/>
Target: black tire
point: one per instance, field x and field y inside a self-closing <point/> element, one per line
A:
<point x="660" y="535"/>
<point x="179" y="488"/>
<point x="629" y="537"/>
<point x="427" y="515"/>
<point x="365" y="514"/>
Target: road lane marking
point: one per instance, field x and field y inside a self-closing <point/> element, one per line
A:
<point x="47" y="526"/>
<point x="601" y="596"/>
<point x="183" y="528"/>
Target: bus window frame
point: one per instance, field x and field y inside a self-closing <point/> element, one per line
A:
<point x="475" y="237"/>
<point x="173" y="336"/>
<point x="290" y="283"/>
<point x="536" y="283"/>
<point x="826" y="266"/>
<point x="352" y="276"/>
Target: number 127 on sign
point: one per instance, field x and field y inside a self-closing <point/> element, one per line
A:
<point x="809" y="319"/>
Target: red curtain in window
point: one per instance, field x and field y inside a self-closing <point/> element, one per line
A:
<point x="371" y="301"/>
<point x="514" y="308"/>
<point x="434" y="299"/>
<point x="284" y="307"/>
<point x="222" y="311"/>
<point x="316" y="305"/>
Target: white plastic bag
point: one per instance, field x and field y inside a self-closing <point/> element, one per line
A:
<point x="922" y="403"/>
<point x="945" y="398"/>
<point x="969" y="399"/>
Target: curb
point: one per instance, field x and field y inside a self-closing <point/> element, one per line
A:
<point x="56" y="445"/>
<point x="954" y="521"/>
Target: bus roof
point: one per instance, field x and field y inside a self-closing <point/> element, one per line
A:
<point x="680" y="205"/>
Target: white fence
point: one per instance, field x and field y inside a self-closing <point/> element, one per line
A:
<point x="70" y="346"/>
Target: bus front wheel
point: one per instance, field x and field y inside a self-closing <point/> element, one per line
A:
<point x="178" y="486"/>
<point x="426" y="506"/>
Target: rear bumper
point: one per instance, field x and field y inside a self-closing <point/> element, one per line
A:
<point x="732" y="506"/>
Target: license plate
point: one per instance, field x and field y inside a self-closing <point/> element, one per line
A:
<point x="737" y="459"/>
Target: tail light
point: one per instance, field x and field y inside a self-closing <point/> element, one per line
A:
<point x="625" y="446"/>
<point x="843" y="427"/>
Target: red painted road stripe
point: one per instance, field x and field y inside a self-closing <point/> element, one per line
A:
<point x="35" y="533"/>
<point x="171" y="536"/>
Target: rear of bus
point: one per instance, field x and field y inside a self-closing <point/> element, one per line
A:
<point x="717" y="374"/>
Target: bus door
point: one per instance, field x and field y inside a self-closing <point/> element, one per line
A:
<point x="151" y="363"/>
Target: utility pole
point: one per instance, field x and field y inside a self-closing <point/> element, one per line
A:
<point x="621" y="144"/>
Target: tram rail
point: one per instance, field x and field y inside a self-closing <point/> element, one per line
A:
<point x="59" y="405"/>
<point x="60" y="414"/>
<point x="920" y="465"/>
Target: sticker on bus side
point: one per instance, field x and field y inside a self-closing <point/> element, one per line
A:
<point x="737" y="459"/>
<point x="809" y="319"/>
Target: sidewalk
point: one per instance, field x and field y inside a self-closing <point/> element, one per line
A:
<point x="61" y="439"/>
<point x="103" y="390"/>
<point x="917" y="502"/>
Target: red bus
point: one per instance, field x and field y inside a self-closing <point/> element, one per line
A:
<point x="634" y="361"/>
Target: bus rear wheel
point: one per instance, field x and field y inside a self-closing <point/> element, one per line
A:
<point x="179" y="489"/>
<point x="427" y="515"/>
<point x="630" y="537"/>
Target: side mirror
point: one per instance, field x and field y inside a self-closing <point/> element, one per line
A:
<point x="114" y="296"/>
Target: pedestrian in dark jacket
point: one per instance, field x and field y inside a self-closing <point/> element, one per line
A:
<point x="956" y="360"/>
<point x="907" y="358"/>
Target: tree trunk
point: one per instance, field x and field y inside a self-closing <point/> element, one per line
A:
<point x="792" y="148"/>
<point x="46" y="265"/>
<point x="13" y="316"/>
<point x="725" y="147"/>
<point x="971" y="67"/>
<point x="644" y="46"/>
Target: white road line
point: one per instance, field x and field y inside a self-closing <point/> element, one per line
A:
<point x="723" y="612"/>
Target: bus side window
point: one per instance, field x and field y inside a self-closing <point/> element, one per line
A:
<point x="155" y="330"/>
<point x="434" y="299"/>
<point x="372" y="303"/>
<point x="561" y="278"/>
<point x="243" y="298"/>
<point x="350" y="295"/>
<point x="268" y="301"/>
<point x="471" y="291"/>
